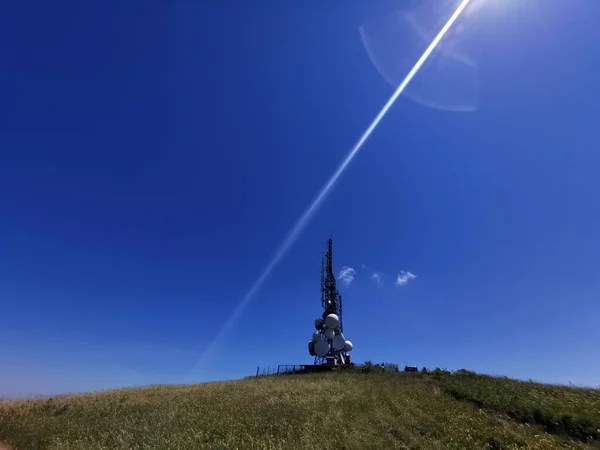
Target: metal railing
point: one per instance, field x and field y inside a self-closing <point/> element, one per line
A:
<point x="300" y="368"/>
<point x="280" y="370"/>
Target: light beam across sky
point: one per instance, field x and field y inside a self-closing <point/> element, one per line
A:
<point x="314" y="205"/>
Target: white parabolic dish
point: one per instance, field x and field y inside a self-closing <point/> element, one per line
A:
<point x="321" y="348"/>
<point x="316" y="336"/>
<point x="330" y="334"/>
<point x="332" y="321"/>
<point x="348" y="346"/>
<point x="338" y="342"/>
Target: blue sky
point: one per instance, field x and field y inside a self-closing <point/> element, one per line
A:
<point x="154" y="156"/>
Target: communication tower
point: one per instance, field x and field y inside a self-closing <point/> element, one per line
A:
<point x="328" y="345"/>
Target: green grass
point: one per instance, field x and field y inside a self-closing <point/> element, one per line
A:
<point x="566" y="410"/>
<point x="326" y="411"/>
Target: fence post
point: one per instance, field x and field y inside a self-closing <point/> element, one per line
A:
<point x="257" y="369"/>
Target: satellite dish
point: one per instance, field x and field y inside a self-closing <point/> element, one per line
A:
<point x="322" y="348"/>
<point x="319" y="324"/>
<point x="316" y="336"/>
<point x="348" y="346"/>
<point x="338" y="342"/>
<point x="332" y="321"/>
<point x="311" y="348"/>
<point x="330" y="334"/>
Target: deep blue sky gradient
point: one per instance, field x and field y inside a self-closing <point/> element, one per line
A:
<point x="153" y="155"/>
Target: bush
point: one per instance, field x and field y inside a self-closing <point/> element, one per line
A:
<point x="369" y="367"/>
<point x="465" y="372"/>
<point x="438" y="373"/>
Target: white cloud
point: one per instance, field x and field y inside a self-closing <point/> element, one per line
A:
<point x="347" y="275"/>
<point x="404" y="277"/>
<point x="378" y="278"/>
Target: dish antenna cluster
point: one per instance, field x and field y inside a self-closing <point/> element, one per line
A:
<point x="328" y="344"/>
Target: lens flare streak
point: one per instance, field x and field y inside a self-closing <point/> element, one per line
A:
<point x="312" y="208"/>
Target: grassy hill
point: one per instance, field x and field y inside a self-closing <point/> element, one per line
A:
<point x="325" y="411"/>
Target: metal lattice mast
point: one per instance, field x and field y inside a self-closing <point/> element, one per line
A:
<point x="331" y="301"/>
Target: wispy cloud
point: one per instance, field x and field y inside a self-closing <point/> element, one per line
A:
<point x="347" y="275"/>
<point x="378" y="278"/>
<point x="404" y="277"/>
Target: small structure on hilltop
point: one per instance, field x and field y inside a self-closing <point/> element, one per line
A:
<point x="328" y="344"/>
